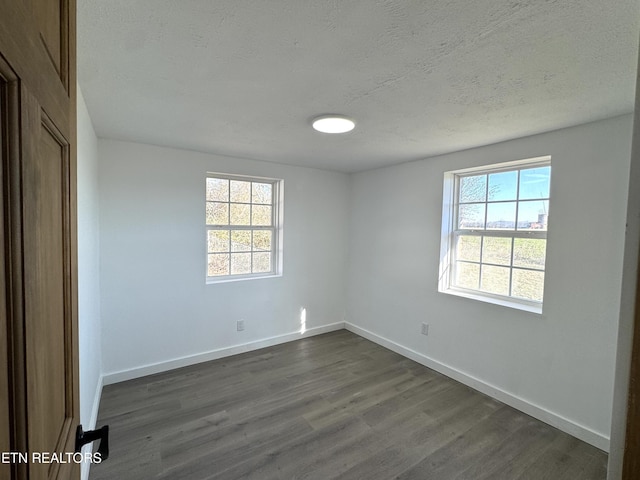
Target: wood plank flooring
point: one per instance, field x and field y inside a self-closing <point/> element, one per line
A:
<point x="325" y="407"/>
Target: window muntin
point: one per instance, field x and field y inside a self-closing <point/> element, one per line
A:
<point x="498" y="228"/>
<point x="242" y="223"/>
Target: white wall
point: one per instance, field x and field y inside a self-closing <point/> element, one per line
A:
<point x="558" y="366"/>
<point x="157" y="310"/>
<point x="627" y="304"/>
<point x="89" y="330"/>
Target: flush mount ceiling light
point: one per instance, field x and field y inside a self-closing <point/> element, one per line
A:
<point x="333" y="124"/>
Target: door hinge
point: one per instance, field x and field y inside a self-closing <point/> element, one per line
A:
<point x="102" y="434"/>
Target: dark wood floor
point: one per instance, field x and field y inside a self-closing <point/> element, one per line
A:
<point x="331" y="406"/>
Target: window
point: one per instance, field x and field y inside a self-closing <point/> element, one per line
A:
<point x="495" y="233"/>
<point x="243" y="223"/>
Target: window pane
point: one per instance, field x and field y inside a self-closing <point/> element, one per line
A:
<point x="261" y="262"/>
<point x="467" y="275"/>
<point x="241" y="228"/>
<point x="240" y="191"/>
<point x="502" y="186"/>
<point x="501" y="216"/>
<point x="534" y="182"/>
<point x="262" y="240"/>
<point x="261" y="215"/>
<point x="218" y="264"/>
<point x="217" y="213"/>
<point x="532" y="215"/>
<point x="471" y="216"/>
<point x="218" y="241"/>
<point x="240" y="240"/>
<point x="217" y="190"/>
<point x="261" y="193"/>
<point x="473" y="189"/>
<point x="495" y="279"/>
<point x="529" y="252"/>
<point x="240" y="214"/>
<point x="240" y="263"/>
<point x="528" y="284"/>
<point x="468" y="248"/>
<point x="496" y="250"/>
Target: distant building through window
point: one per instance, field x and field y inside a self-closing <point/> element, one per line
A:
<point x="495" y="222"/>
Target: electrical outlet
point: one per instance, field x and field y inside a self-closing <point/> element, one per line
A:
<point x="240" y="325"/>
<point x="425" y="329"/>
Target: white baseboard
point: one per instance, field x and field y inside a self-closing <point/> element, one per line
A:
<point x="85" y="467"/>
<point x="96" y="404"/>
<point x="579" y="431"/>
<point x="129" y="374"/>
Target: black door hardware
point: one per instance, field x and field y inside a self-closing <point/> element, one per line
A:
<point x="102" y="434"/>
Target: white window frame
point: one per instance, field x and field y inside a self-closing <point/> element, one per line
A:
<point x="276" y="227"/>
<point x="450" y="234"/>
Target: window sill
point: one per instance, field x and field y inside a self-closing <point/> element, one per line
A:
<point x="510" y="303"/>
<point x="213" y="281"/>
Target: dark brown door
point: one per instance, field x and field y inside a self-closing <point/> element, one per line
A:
<point x="38" y="326"/>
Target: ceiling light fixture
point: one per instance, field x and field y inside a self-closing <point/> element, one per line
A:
<point x="333" y="124"/>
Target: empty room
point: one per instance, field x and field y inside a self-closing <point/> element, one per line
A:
<point x="364" y="239"/>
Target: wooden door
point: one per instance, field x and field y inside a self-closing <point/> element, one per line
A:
<point x="38" y="324"/>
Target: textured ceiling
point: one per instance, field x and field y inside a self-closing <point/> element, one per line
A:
<point x="421" y="78"/>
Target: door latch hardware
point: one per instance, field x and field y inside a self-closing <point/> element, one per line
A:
<point x="102" y="434"/>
